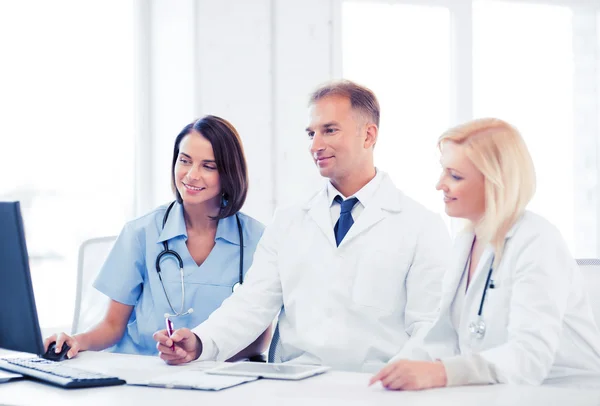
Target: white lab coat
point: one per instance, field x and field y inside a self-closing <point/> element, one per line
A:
<point x="352" y="307"/>
<point x="539" y="321"/>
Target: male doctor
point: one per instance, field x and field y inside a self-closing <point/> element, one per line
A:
<point x="355" y="270"/>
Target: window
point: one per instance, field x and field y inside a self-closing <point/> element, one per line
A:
<point x="412" y="82"/>
<point x="525" y="76"/>
<point x="67" y="133"/>
<point x="533" y="64"/>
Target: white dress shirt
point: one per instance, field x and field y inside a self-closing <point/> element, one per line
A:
<point x="364" y="196"/>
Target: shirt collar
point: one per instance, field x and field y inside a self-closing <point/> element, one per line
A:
<point x="364" y="195"/>
<point x="468" y="234"/>
<point x="515" y="226"/>
<point x="227" y="228"/>
<point x="175" y="225"/>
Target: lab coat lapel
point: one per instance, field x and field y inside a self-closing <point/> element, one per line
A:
<point x="462" y="249"/>
<point x="478" y="280"/>
<point x="485" y="262"/>
<point x="319" y="210"/>
<point x="481" y="272"/>
<point x="387" y="198"/>
<point x="369" y="217"/>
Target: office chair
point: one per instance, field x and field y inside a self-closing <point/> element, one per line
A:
<point x="590" y="268"/>
<point x="275" y="347"/>
<point x="90" y="305"/>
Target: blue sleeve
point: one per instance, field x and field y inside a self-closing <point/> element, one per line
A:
<point x="122" y="276"/>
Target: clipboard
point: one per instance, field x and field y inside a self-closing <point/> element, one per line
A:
<point x="292" y="372"/>
<point x="194" y="380"/>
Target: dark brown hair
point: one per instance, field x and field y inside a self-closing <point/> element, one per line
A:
<point x="229" y="158"/>
<point x="361" y="98"/>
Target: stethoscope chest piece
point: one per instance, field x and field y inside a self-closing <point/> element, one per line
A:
<point x="477" y="328"/>
<point x="235" y="286"/>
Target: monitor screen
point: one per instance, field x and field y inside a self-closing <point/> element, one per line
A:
<point x="19" y="326"/>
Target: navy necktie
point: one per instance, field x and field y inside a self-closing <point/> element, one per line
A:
<point x="345" y="221"/>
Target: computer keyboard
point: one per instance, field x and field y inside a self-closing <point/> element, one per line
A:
<point x="57" y="373"/>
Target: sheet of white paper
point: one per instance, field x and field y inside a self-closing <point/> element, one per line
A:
<point x="135" y="369"/>
<point x="204" y="365"/>
<point x="194" y="380"/>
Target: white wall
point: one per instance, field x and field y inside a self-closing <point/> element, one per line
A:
<point x="253" y="63"/>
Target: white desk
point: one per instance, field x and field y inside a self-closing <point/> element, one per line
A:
<point x="332" y="388"/>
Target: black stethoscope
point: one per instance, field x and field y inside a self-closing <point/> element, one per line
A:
<point x="166" y="251"/>
<point x="478" y="327"/>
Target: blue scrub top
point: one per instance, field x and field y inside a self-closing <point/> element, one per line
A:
<point x="129" y="274"/>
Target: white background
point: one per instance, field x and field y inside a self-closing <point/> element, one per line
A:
<point x="93" y="93"/>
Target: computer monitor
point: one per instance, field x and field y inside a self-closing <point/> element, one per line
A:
<point x="19" y="325"/>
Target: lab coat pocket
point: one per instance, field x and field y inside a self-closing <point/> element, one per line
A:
<point x="497" y="301"/>
<point x="379" y="280"/>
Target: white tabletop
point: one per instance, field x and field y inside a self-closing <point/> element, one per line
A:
<point x="332" y="388"/>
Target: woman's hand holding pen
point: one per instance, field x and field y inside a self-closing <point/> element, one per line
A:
<point x="188" y="346"/>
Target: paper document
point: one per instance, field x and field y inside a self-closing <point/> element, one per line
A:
<point x="194" y="380"/>
<point x="7" y="376"/>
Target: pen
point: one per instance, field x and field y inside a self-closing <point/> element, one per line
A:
<point x="170" y="330"/>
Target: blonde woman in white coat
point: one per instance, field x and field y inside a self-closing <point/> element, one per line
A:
<point x="534" y="323"/>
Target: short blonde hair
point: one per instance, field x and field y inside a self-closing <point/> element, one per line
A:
<point x="498" y="151"/>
